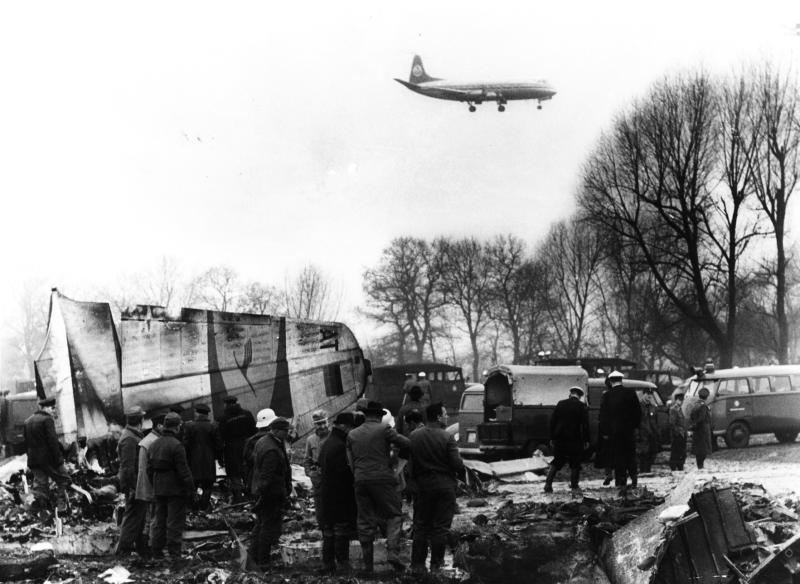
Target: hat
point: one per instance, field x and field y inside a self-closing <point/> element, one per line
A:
<point x="201" y="408"/>
<point x="265" y="417"/>
<point x="172" y="420"/>
<point x="345" y="418"/>
<point x="615" y="377"/>
<point x="280" y="424"/>
<point x="47" y="402"/>
<point x="421" y="374"/>
<point x="319" y="416"/>
<point x="134" y="411"/>
<point x="373" y="407"/>
<point x="576" y="390"/>
<point x="231" y="399"/>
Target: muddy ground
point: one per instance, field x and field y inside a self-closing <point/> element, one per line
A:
<point x="509" y="532"/>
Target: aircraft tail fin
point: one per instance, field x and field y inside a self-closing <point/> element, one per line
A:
<point x="418" y="74"/>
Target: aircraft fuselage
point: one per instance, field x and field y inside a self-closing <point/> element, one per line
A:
<point x="483" y="91"/>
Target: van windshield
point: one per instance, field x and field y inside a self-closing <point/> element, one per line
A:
<point x="472" y="402"/>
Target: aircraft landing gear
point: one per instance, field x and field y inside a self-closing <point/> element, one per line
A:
<point x="471" y="108"/>
<point x="501" y="108"/>
<point x="539" y="106"/>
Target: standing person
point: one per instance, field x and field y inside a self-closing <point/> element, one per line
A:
<point x="369" y="455"/>
<point x="131" y="531"/>
<point x="677" y="432"/>
<point x="623" y="415"/>
<point x="263" y="419"/>
<point x="414" y="402"/>
<point x="569" y="434"/>
<point x="235" y="426"/>
<point x="144" y="486"/>
<point x="435" y="463"/>
<point x="409" y="382"/>
<point x="700" y="423"/>
<point x="311" y="459"/>
<point x="45" y="457"/>
<point x="647" y="443"/>
<point x="603" y="456"/>
<point x="271" y="485"/>
<point x="338" y="496"/>
<point x="169" y="472"/>
<point x="203" y="448"/>
<point x="425" y="386"/>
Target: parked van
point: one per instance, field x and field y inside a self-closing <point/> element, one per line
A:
<point x="750" y="400"/>
<point x="469" y="416"/>
<point x="15" y="408"/>
<point x="520" y="400"/>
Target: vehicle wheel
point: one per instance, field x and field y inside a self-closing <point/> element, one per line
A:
<point x="738" y="435"/>
<point x="530" y="448"/>
<point x="786" y="437"/>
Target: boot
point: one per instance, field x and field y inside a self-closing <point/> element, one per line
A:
<point x="328" y="554"/>
<point x="574" y="478"/>
<point x="419" y="551"/>
<point x="341" y="550"/>
<point x="368" y="557"/>
<point x="548" y="482"/>
<point x="394" y="527"/>
<point x="437" y="556"/>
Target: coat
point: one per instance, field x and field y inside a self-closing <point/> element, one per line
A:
<point x="677" y="420"/>
<point x="338" y="495"/>
<point x="203" y="445"/>
<point x="127" y="451"/>
<point x="569" y="424"/>
<point x="400" y="423"/>
<point x="168" y="468"/>
<point x="41" y="442"/>
<point x="435" y="460"/>
<point x="235" y="426"/>
<point x="369" y="449"/>
<point x="144" y="485"/>
<point x="620" y="412"/>
<point x="247" y="457"/>
<point x="700" y="423"/>
<point x="272" y="475"/>
<point x="311" y="457"/>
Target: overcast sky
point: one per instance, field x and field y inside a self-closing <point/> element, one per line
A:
<point x="270" y="135"/>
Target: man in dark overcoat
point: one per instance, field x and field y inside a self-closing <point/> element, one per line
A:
<point x="168" y="469"/>
<point x="203" y="445"/>
<point x="235" y="426"/>
<point x="45" y="456"/>
<point x="677" y="432"/>
<point x="131" y="531"/>
<point x="700" y="423"/>
<point x="622" y="412"/>
<point x="569" y="434"/>
<point x="338" y="497"/>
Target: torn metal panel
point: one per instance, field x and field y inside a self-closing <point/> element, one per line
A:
<point x="505" y="468"/>
<point x="689" y="556"/>
<point x="782" y="567"/>
<point x="723" y="520"/>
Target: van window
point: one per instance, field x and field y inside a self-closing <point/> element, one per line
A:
<point x="795" y="382"/>
<point x="452" y="375"/>
<point x="472" y="402"/>
<point x="781" y="383"/>
<point x="760" y="384"/>
<point x="732" y="386"/>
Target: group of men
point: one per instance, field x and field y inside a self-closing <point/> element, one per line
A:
<point x="628" y="434"/>
<point x="360" y="469"/>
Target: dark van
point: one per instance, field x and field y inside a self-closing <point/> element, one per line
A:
<point x="750" y="400"/>
<point x="447" y="384"/>
<point x="470" y="415"/>
<point x="15" y="408"/>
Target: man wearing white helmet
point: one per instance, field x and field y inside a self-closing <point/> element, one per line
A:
<point x="425" y="386"/>
<point x="620" y="416"/>
<point x="263" y="420"/>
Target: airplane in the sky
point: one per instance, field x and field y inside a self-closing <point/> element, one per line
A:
<point x="475" y="92"/>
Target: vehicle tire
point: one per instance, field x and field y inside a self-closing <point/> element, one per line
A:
<point x="532" y="447"/>
<point x="786" y="437"/>
<point x="738" y="435"/>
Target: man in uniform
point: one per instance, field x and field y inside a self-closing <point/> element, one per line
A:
<point x="338" y="497"/>
<point x="677" y="432"/>
<point x="700" y="423"/>
<point x="622" y="414"/>
<point x="131" y="531"/>
<point x="647" y="444"/>
<point x="203" y="448"/>
<point x="311" y="459"/>
<point x="271" y="485"/>
<point x="235" y="426"/>
<point x="45" y="457"/>
<point x="569" y="435"/>
<point x="369" y="455"/>
<point x="263" y="419"/>
<point x="435" y="463"/>
<point x="169" y="472"/>
<point x="425" y="386"/>
<point x="414" y="402"/>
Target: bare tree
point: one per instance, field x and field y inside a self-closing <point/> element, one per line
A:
<point x="217" y="288"/>
<point x="311" y="295"/>
<point x="258" y="298"/>
<point x="26" y="332"/>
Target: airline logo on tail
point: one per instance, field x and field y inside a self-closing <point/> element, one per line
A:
<point x="418" y="74"/>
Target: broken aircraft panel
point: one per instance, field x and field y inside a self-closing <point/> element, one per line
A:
<point x="293" y="366"/>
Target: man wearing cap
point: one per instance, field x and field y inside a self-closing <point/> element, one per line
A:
<point x="271" y="485"/>
<point x="368" y="454"/>
<point x="414" y="402"/>
<point x="425" y="386"/>
<point x="677" y="431"/>
<point x="263" y="419"/>
<point x="203" y="448"/>
<point x="435" y="464"/>
<point x="569" y="435"/>
<point x="338" y="497"/>
<point x="647" y="442"/>
<point x="173" y="486"/>
<point x="700" y="423"/>
<point x="45" y="457"/>
<point x="235" y="426"/>
<point x="620" y="415"/>
<point x="311" y="458"/>
<point x="144" y="486"/>
<point x="131" y="531"/>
